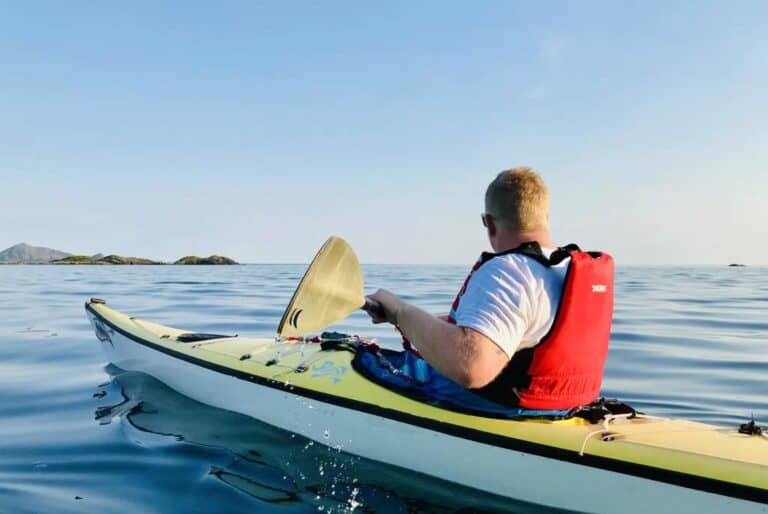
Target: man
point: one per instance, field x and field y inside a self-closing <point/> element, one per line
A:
<point x="530" y="327"/>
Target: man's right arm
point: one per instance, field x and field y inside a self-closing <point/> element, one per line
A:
<point x="462" y="354"/>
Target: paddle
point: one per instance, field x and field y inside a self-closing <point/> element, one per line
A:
<point x="331" y="290"/>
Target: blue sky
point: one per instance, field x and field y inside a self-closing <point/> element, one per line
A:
<point x="256" y="130"/>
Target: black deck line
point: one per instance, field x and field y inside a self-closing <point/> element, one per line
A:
<point x="709" y="485"/>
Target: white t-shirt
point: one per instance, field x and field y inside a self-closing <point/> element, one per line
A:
<point x="512" y="300"/>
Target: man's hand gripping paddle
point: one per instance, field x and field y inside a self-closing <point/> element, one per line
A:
<point x="331" y="290"/>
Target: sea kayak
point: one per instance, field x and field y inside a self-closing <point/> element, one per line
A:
<point x="629" y="464"/>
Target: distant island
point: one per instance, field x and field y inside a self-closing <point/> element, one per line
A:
<point x="23" y="253"/>
<point x="27" y="254"/>
<point x="109" y="259"/>
<point x="734" y="265"/>
<point x="213" y="259"/>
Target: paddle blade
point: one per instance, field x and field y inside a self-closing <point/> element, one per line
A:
<point x="332" y="288"/>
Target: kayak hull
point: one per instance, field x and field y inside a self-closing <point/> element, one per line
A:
<point x="435" y="450"/>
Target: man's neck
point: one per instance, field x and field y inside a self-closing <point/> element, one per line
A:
<point x="510" y="240"/>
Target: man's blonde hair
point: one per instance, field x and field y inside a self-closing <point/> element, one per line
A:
<point x="518" y="199"/>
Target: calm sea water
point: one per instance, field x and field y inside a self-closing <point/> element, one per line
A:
<point x="77" y="435"/>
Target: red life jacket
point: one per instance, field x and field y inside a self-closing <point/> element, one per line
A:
<point x="565" y="369"/>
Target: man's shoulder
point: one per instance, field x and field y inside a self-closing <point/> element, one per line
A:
<point x="506" y="269"/>
<point x="518" y="267"/>
<point x="512" y="262"/>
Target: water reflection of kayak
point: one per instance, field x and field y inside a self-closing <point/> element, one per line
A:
<point x="282" y="469"/>
<point x="638" y="464"/>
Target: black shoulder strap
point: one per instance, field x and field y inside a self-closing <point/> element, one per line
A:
<point x="532" y="249"/>
<point x="562" y="253"/>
